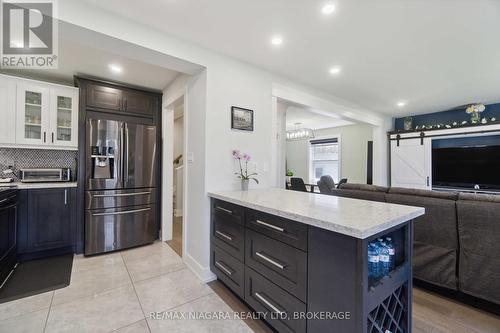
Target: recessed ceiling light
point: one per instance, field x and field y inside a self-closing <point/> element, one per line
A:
<point x="277" y="40"/>
<point x="115" y="68"/>
<point x="335" y="70"/>
<point x="328" y="8"/>
<point x="401" y="104"/>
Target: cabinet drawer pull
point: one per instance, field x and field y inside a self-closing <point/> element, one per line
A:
<point x="269" y="304"/>
<point x="269" y="260"/>
<point x="224" y="268"/>
<point x="224" y="210"/>
<point x="224" y="235"/>
<point x="270" y="226"/>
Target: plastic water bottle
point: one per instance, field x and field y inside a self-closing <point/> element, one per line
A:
<point x="384" y="259"/>
<point x="392" y="253"/>
<point x="373" y="261"/>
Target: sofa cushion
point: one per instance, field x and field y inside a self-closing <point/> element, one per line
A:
<point x="435" y="237"/>
<point x="362" y="191"/>
<point x="363" y="187"/>
<point x="479" y="230"/>
<point x="424" y="193"/>
<point x="435" y="265"/>
<point x="362" y="195"/>
<point x="479" y="197"/>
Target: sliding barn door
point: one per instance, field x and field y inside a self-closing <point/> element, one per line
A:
<point x="411" y="164"/>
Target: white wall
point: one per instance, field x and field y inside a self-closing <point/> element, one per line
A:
<point x="353" y="146"/>
<point x="211" y="93"/>
<point x="297" y="160"/>
<point x="178" y="136"/>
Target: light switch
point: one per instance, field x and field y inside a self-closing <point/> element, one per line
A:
<point x="190" y="157"/>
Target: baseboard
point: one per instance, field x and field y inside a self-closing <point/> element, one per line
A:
<point x="459" y="296"/>
<point x="203" y="273"/>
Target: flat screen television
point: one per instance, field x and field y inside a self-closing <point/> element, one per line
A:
<point x="466" y="164"/>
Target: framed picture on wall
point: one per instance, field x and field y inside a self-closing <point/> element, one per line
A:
<point x="241" y="119"/>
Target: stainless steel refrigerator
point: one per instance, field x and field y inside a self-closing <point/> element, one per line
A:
<point x="120" y="193"/>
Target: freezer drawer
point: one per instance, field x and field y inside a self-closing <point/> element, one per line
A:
<point x="119" y="198"/>
<point x="119" y="228"/>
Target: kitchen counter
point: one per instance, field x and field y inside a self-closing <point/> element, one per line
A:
<point x="29" y="186"/>
<point x="352" y="217"/>
<point x="301" y="259"/>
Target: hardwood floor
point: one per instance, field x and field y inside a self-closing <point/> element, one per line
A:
<point x="176" y="242"/>
<point x="432" y="313"/>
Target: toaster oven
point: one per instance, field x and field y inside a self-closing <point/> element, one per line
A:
<point x="45" y="175"/>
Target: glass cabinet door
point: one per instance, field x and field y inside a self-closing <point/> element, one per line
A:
<point x="64" y="117"/>
<point x="32" y="116"/>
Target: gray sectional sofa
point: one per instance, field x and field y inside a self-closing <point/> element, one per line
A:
<point x="456" y="243"/>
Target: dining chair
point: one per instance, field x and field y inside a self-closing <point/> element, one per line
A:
<point x="297" y="184"/>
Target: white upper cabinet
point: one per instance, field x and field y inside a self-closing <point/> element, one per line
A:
<point x="411" y="163"/>
<point x="7" y="111"/>
<point x="40" y="115"/>
<point x="64" y="117"/>
<point x="32" y="116"/>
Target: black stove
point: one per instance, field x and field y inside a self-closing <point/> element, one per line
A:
<point x="8" y="226"/>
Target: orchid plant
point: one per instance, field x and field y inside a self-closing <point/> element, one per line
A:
<point x="243" y="160"/>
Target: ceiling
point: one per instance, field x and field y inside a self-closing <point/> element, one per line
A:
<point x="434" y="55"/>
<point x="78" y="59"/>
<point x="311" y="119"/>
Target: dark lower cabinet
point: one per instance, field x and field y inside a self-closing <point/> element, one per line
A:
<point x="47" y="221"/>
<point x="301" y="278"/>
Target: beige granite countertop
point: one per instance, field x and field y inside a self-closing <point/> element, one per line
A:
<point x="352" y="217"/>
<point x="27" y="186"/>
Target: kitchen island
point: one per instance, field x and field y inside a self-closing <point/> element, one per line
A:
<point x="300" y="260"/>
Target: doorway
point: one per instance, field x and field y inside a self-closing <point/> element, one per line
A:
<point x="313" y="143"/>
<point x="173" y="222"/>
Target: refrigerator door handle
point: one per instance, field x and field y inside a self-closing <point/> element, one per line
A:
<point x="122" y="212"/>
<point x="119" y="195"/>
<point x="126" y="155"/>
<point x="122" y="154"/>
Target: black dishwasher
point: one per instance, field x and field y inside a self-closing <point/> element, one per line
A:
<point x="8" y="226"/>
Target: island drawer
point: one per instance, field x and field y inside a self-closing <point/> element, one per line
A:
<point x="284" y="265"/>
<point x="278" y="306"/>
<point x="229" y="235"/>
<point x="228" y="270"/>
<point x="287" y="231"/>
<point x="228" y="210"/>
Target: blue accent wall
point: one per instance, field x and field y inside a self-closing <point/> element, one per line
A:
<point x="448" y="117"/>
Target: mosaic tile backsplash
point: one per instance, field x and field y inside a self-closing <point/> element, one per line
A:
<point x="20" y="158"/>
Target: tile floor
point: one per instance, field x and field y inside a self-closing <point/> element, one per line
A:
<point x="117" y="292"/>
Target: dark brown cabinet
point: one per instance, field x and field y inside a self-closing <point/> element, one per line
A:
<point x="103" y="97"/>
<point x="138" y="102"/>
<point x="47" y="220"/>
<point x="125" y="100"/>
